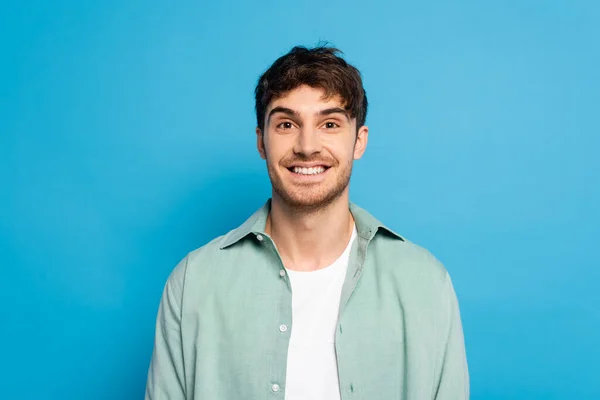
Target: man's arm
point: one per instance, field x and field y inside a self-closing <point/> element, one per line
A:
<point x="166" y="377"/>
<point x="453" y="383"/>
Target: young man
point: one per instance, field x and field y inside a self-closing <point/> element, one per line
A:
<point x="312" y="297"/>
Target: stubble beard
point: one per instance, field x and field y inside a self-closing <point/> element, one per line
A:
<point x="314" y="197"/>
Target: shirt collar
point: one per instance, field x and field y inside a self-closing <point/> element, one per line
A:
<point x="366" y="225"/>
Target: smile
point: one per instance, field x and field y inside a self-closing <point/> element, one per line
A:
<point x="308" y="170"/>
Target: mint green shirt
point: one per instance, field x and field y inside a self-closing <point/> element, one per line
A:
<point x="218" y="336"/>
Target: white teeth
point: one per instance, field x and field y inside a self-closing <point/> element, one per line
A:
<point x="309" y="171"/>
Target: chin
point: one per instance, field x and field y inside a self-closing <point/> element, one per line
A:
<point x="308" y="197"/>
<point x="308" y="201"/>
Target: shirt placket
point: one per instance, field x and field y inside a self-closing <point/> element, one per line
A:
<point x="282" y="323"/>
<point x="355" y="266"/>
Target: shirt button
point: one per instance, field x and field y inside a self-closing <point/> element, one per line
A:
<point x="282" y="328"/>
<point x="260" y="238"/>
<point x="275" y="387"/>
<point x="282" y="272"/>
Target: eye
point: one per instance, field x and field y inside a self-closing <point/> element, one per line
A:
<point x="331" y="125"/>
<point x="285" y="125"/>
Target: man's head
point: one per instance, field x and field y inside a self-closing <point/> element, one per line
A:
<point x="311" y="109"/>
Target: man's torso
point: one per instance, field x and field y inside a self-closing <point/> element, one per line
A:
<point x="389" y="336"/>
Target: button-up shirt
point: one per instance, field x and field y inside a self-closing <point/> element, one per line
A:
<point x="225" y="319"/>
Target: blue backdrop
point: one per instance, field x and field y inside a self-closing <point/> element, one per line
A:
<point x="127" y="140"/>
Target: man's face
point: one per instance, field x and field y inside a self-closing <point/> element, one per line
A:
<point x="309" y="143"/>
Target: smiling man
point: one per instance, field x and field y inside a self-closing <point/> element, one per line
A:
<point x="311" y="297"/>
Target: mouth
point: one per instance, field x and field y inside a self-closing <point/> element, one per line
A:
<point x="309" y="171"/>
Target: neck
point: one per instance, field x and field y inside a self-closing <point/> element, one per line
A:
<point x="310" y="240"/>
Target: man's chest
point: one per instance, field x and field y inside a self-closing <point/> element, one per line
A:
<point x="239" y="324"/>
<point x="244" y="338"/>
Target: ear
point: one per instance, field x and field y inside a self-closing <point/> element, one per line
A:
<point x="260" y="143"/>
<point x="362" y="138"/>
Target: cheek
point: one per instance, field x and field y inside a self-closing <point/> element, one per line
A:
<point x="278" y="144"/>
<point x="274" y="150"/>
<point x="342" y="149"/>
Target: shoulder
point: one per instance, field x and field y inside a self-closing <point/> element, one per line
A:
<point x="393" y="253"/>
<point x="402" y="257"/>
<point x="196" y="262"/>
<point x="206" y="253"/>
<point x="419" y="278"/>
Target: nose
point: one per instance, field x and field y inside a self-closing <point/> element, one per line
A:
<point x="307" y="142"/>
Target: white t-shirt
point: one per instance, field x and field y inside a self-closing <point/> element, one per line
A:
<point x="311" y="364"/>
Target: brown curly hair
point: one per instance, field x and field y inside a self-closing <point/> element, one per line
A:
<point x="318" y="67"/>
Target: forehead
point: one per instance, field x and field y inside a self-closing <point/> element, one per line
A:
<point x="306" y="99"/>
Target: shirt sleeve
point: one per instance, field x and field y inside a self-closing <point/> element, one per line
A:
<point x="453" y="383"/>
<point x="166" y="375"/>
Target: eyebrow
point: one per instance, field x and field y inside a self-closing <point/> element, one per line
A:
<point x="283" y="110"/>
<point x="335" y="110"/>
<point x="294" y="113"/>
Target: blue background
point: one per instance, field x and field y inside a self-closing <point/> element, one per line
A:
<point x="127" y="140"/>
